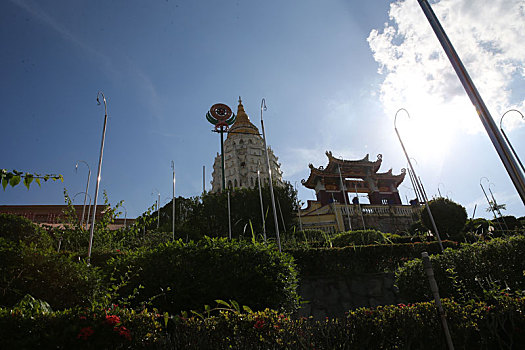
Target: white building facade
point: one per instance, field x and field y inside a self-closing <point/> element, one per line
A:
<point x="243" y="156"/>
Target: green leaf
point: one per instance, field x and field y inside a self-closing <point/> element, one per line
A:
<point x="15" y="180"/>
<point x="28" y="178"/>
<point x="37" y="180"/>
<point x="236" y="305"/>
<point x="222" y="302"/>
<point x="4" y="182"/>
<point x="247" y="309"/>
<point x="166" y="319"/>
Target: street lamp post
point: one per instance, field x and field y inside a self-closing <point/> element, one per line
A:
<point x="263" y="108"/>
<point x="418" y="184"/>
<point x="89" y="205"/>
<point x="261" y="199"/>
<point x="507" y="139"/>
<point x="87" y="189"/>
<point x="100" y="93"/>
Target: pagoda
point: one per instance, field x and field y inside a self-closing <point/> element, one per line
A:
<point x="244" y="155"/>
<point x="358" y="176"/>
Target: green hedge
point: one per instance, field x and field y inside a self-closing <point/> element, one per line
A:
<point x="469" y="272"/>
<point x="472" y="326"/>
<point x="360" y="259"/>
<point x="49" y="276"/>
<point x="111" y="328"/>
<point x="183" y="276"/>
<point x="476" y="325"/>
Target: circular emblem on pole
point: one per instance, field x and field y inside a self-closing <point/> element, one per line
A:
<point x="221" y="116"/>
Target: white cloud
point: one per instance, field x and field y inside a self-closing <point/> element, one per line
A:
<point x="488" y="36"/>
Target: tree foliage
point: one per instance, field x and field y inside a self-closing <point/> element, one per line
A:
<point x="207" y="215"/>
<point x="450" y="217"/>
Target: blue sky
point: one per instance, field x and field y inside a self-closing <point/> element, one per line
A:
<point x="333" y="74"/>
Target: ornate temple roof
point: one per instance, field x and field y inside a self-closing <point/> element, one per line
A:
<point x="361" y="169"/>
<point x="242" y="124"/>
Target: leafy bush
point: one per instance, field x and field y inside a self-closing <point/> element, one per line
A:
<point x="360" y="259"/>
<point x="368" y="237"/>
<point x="468" y="272"/>
<point x="17" y="228"/>
<point x="112" y="328"/>
<point x="49" y="276"/>
<point x="450" y="217"/>
<point x="475" y="325"/>
<point x="180" y="276"/>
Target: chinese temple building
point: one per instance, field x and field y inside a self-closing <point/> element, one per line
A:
<point x="243" y="156"/>
<point x="335" y="211"/>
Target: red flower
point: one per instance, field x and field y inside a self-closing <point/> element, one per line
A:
<point x="85" y="333"/>
<point x="82" y="317"/>
<point x="112" y="320"/>
<point x="401" y="305"/>
<point x="259" y="324"/>
<point x="124" y="332"/>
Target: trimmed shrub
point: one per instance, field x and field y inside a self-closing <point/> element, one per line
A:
<point x="48" y="276"/>
<point x="469" y="272"/>
<point x="360" y="259"/>
<point x="475" y="325"/>
<point x="359" y="237"/>
<point x="449" y="216"/>
<point x="179" y="276"/>
<point x="112" y="328"/>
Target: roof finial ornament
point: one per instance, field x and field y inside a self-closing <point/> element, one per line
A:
<point x="240" y="100"/>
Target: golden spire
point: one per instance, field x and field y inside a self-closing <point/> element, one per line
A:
<point x="242" y="124"/>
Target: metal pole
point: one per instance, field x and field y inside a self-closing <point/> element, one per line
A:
<point x="416" y="185"/>
<point x="229" y="218"/>
<point x="507" y="139"/>
<point x="281" y="212"/>
<point x="420" y="187"/>
<point x="263" y="107"/>
<point x="158" y="212"/>
<point x="203" y="178"/>
<point x="260" y="197"/>
<point x="344" y="197"/>
<point x="299" y="208"/>
<point x="439" y="190"/>
<point x="359" y="206"/>
<point x="435" y="291"/>
<point x="87" y="190"/>
<point x="89" y="205"/>
<point x="98" y="174"/>
<point x="222" y="158"/>
<point x="173" y="201"/>
<point x="495" y="136"/>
